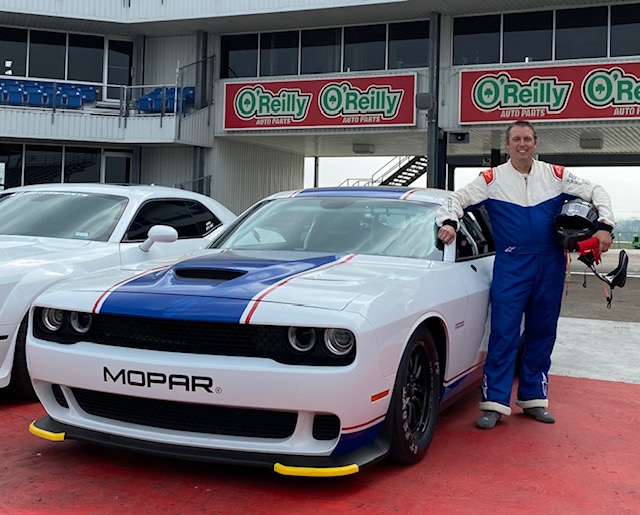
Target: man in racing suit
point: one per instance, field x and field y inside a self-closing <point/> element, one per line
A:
<point x="522" y="197"/>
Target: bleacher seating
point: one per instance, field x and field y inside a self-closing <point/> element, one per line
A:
<point x="152" y="102"/>
<point x="32" y="93"/>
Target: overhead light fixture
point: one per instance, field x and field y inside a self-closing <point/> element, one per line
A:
<point x="591" y="141"/>
<point x="458" y="137"/>
<point x="364" y="148"/>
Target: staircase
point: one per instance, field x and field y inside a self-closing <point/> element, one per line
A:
<point x="400" y="171"/>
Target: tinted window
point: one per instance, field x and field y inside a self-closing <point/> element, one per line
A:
<point x="408" y="44"/>
<point x="279" y="53"/>
<point x="79" y="216"/>
<point x="117" y="169"/>
<point x="239" y="56"/>
<point x="120" y="57"/>
<point x="364" y="48"/>
<point x="47" y="53"/>
<point x="625" y="29"/>
<point x="581" y="33"/>
<point x="86" y="55"/>
<point x="82" y="164"/>
<point x="476" y="40"/>
<point x="13" y="51"/>
<point x="204" y="219"/>
<point x="42" y="164"/>
<point x="320" y="51"/>
<point x="163" y="212"/>
<point x="11" y="156"/>
<point x="528" y="35"/>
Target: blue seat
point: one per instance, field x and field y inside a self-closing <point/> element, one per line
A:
<point x="72" y="100"/>
<point x="53" y="100"/>
<point x="88" y="93"/>
<point x="15" y="96"/>
<point x="146" y="104"/>
<point x="35" y="97"/>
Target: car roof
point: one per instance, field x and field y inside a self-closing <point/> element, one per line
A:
<point x="132" y="191"/>
<point x="432" y="195"/>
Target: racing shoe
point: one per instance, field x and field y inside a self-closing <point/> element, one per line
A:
<point x="488" y="420"/>
<point x="540" y="414"/>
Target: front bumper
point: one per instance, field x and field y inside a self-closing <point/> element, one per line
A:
<point x="309" y="466"/>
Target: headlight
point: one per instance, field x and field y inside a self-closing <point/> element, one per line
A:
<point x="52" y="319"/>
<point x="80" y="322"/>
<point x="339" y="341"/>
<point x="301" y="339"/>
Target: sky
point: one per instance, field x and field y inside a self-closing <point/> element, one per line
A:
<point x="622" y="183"/>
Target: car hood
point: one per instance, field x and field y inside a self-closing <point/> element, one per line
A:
<point x="42" y="249"/>
<point x="229" y="283"/>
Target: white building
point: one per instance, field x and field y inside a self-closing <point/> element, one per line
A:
<point x="229" y="96"/>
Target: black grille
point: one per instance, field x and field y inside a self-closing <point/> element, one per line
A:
<point x="326" y="427"/>
<point x="194" y="418"/>
<point x="57" y="393"/>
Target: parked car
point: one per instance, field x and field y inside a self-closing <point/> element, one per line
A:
<point x="320" y="332"/>
<point x="50" y="232"/>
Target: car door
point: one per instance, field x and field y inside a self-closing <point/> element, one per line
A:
<point x="192" y="220"/>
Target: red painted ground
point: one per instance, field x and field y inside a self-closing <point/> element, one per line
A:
<point x="586" y="463"/>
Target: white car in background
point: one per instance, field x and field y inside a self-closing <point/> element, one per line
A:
<point x="50" y="232"/>
<point x="321" y="332"/>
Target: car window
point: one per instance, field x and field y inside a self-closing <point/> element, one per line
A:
<point x="173" y="212"/>
<point x="204" y="219"/>
<point x="60" y="214"/>
<point x="474" y="237"/>
<point x="383" y="227"/>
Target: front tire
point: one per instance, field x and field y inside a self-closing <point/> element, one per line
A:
<point x="414" y="406"/>
<point x="20" y="386"/>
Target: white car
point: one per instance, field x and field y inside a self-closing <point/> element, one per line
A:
<point x="322" y="331"/>
<point x="50" y="232"/>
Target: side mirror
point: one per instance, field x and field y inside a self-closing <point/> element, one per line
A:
<point x="450" y="251"/>
<point x="163" y="233"/>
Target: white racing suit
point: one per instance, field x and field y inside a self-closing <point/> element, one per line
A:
<point x="529" y="270"/>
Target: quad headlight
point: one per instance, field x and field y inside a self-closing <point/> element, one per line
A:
<point x="52" y="319"/>
<point x="301" y="339"/>
<point x="59" y="321"/>
<point x="80" y="322"/>
<point x="335" y="343"/>
<point x="339" y="342"/>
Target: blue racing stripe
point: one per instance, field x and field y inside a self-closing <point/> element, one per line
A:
<point x="163" y="294"/>
<point x="363" y="192"/>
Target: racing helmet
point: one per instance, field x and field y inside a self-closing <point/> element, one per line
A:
<point x="577" y="221"/>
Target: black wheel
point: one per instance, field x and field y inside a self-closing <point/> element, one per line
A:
<point x="20" y="386"/>
<point x="414" y="406"/>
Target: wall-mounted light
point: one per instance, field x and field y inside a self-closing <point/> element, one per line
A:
<point x="458" y="137"/>
<point x="364" y="148"/>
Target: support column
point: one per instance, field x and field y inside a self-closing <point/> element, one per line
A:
<point x="435" y="163"/>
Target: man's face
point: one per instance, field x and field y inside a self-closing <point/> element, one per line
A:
<point x="521" y="144"/>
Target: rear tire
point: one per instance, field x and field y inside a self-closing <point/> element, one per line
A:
<point x="20" y="386"/>
<point x="414" y="406"/>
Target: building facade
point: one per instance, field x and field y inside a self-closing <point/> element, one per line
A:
<point x="229" y="97"/>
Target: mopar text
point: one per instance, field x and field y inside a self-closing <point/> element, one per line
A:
<point x="141" y="378"/>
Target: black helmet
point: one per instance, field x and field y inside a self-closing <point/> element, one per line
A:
<point x="576" y="222"/>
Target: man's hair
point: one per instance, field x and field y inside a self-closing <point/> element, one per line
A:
<point x="522" y="123"/>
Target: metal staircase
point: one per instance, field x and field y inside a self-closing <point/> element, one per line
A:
<point x="400" y="171"/>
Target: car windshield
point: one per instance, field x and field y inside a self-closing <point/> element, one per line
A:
<point x="381" y="227"/>
<point x="60" y="214"/>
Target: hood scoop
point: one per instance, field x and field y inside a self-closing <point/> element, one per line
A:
<point x="209" y="274"/>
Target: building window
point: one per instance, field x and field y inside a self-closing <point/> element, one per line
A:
<point x="86" y="58"/>
<point x="117" y="168"/>
<point x="476" y="40"/>
<point x="320" y="52"/>
<point x="364" y="48"/>
<point x="408" y="45"/>
<point x="13" y="51"/>
<point x="42" y="164"/>
<point x="625" y="27"/>
<point x="47" y="52"/>
<point x="279" y="53"/>
<point x="11" y="158"/>
<point x="581" y="33"/>
<point x="82" y="164"/>
<point x="239" y="56"/>
<point x="119" y="62"/>
<point x="528" y="37"/>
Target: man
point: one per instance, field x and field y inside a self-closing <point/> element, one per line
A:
<point x="522" y="197"/>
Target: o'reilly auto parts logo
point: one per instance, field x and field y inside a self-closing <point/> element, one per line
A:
<point x="536" y="97"/>
<point x="612" y="88"/>
<point x="343" y="99"/>
<point x="286" y="104"/>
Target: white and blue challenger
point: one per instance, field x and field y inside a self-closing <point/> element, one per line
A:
<point x="321" y="332"/>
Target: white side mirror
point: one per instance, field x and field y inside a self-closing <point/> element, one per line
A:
<point x="163" y="233"/>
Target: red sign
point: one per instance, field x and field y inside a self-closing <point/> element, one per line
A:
<point x="556" y="93"/>
<point x="313" y="103"/>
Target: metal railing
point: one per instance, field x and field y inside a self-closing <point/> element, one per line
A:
<point x="384" y="172"/>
